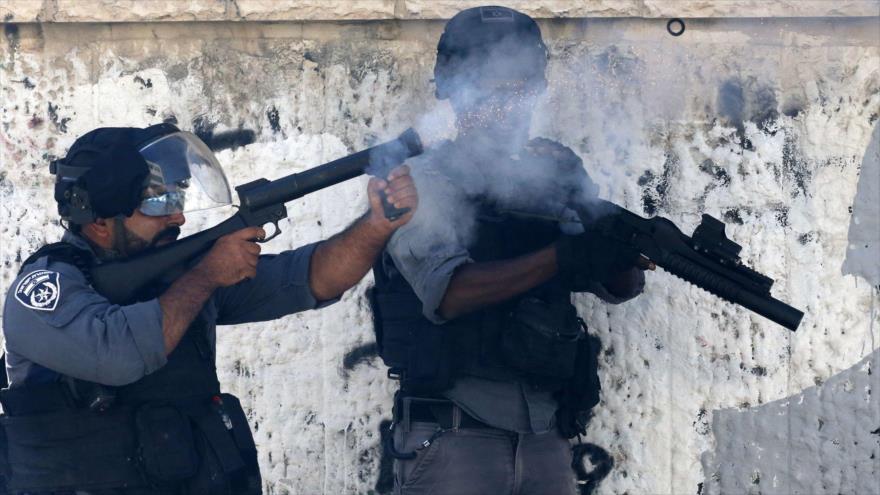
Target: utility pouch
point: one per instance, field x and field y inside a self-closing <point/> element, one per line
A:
<point x="228" y="455"/>
<point x="167" y="448"/>
<point x="241" y="431"/>
<point x="541" y="339"/>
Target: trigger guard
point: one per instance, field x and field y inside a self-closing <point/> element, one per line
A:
<point x="274" y="234"/>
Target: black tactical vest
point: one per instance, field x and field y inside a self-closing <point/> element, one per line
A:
<point x="427" y="358"/>
<point x="172" y="429"/>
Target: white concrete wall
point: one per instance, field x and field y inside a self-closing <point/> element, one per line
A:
<point x="761" y="121"/>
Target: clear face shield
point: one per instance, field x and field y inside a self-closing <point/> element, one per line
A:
<point x="185" y="176"/>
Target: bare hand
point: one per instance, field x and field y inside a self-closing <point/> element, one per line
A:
<point x="400" y="191"/>
<point x="233" y="258"/>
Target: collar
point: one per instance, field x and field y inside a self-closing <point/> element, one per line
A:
<point x="77" y="241"/>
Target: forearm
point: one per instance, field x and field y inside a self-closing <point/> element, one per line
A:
<point x="180" y="305"/>
<point x="342" y="261"/>
<point x="477" y="285"/>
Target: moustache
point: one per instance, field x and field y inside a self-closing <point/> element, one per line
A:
<point x="170" y="234"/>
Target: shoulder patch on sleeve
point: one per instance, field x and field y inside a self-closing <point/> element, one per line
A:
<point x="39" y="290"/>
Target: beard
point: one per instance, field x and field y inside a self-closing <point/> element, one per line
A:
<point x="135" y="244"/>
<point x="126" y="243"/>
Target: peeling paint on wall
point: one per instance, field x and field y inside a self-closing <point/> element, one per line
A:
<point x="863" y="251"/>
<point x="788" y="446"/>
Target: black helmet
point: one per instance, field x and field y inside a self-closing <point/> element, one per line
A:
<point x="112" y="171"/>
<point x="489" y="42"/>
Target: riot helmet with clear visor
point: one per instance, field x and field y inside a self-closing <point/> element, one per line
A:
<point x="158" y="171"/>
<point x="184" y="176"/>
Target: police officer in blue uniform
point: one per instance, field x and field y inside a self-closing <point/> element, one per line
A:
<point x="106" y="398"/>
<point x="472" y="299"/>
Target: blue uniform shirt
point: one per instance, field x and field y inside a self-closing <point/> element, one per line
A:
<point x="54" y="322"/>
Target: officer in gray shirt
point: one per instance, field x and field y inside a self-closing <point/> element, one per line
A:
<point x="472" y="298"/>
<point x="106" y="398"/>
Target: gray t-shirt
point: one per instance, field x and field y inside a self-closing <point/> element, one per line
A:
<point x="55" y="323"/>
<point x="429" y="249"/>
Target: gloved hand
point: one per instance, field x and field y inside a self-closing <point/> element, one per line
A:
<point x="591" y="257"/>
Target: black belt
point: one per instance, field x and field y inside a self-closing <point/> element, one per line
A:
<point x="442" y="412"/>
<point x="444" y="415"/>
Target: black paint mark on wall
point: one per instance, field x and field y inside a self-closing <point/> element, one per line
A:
<point x="741" y="101"/>
<point x="781" y="213"/>
<point x="28" y="84"/>
<point x="795" y="168"/>
<point x="12" y="36"/>
<point x="618" y="63"/>
<point x="721" y="176"/>
<point x="807" y="237"/>
<point x="35" y="122"/>
<point x="763" y="108"/>
<point x="274" y="119"/>
<point x="654" y="188"/>
<point x="204" y="129"/>
<point x="792" y="108"/>
<point x="600" y="459"/>
<point x="731" y="102"/>
<point x="755" y="370"/>
<point x="60" y="123"/>
<point x="735" y="215"/>
<point x="360" y="354"/>
<point x="720" y="179"/>
<point x="145" y="84"/>
<point x="385" y="481"/>
<point x="701" y="424"/>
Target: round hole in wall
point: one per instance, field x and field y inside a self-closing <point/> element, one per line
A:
<point x="675" y="27"/>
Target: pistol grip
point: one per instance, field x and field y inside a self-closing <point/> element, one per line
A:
<point x="392" y="213"/>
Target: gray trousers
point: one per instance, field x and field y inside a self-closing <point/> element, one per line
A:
<point x="482" y="461"/>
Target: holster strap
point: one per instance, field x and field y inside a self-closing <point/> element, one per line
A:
<point x="220" y="440"/>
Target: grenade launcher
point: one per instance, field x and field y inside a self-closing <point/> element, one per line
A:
<point x="708" y="259"/>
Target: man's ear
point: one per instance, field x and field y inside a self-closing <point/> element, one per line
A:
<point x="100" y="232"/>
